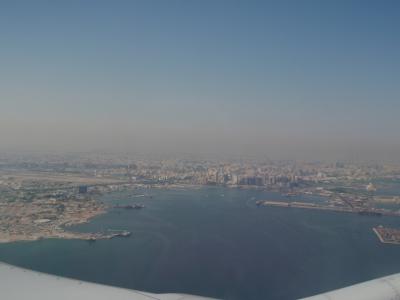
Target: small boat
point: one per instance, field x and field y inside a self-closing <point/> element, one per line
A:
<point x="130" y="206"/>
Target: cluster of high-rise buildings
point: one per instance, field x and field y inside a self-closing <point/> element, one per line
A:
<point x="239" y="172"/>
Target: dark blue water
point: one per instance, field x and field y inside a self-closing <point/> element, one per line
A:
<point x="216" y="242"/>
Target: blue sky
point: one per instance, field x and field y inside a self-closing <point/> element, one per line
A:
<point x="312" y="79"/>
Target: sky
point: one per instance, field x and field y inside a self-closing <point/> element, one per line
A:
<point x="280" y="79"/>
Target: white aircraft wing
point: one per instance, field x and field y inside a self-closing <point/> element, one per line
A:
<point x="20" y="284"/>
<point x="385" y="288"/>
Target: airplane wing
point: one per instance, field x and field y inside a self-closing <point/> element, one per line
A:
<point x="385" y="288"/>
<point x="18" y="284"/>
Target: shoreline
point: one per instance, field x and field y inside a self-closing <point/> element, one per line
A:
<point x="314" y="206"/>
<point x="60" y="231"/>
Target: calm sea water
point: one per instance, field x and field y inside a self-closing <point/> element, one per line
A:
<point x="216" y="242"/>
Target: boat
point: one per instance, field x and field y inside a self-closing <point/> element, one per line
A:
<point x="120" y="233"/>
<point x="130" y="206"/>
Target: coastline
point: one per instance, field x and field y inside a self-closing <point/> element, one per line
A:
<point x="60" y="231"/>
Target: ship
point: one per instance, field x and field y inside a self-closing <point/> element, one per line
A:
<point x="130" y="206"/>
<point x="119" y="233"/>
<point x="124" y="234"/>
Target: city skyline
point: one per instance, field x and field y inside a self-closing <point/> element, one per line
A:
<point x="272" y="79"/>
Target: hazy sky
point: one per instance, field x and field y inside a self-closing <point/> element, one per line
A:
<point x="301" y="79"/>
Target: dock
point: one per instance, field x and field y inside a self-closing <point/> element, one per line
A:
<point x="387" y="235"/>
<point x="309" y="205"/>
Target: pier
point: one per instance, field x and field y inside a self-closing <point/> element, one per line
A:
<point x="387" y="235"/>
<point x="309" y="205"/>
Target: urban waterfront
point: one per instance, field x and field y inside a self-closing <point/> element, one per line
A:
<point x="216" y="242"/>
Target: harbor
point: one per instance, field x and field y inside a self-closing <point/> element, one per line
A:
<point x="344" y="209"/>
